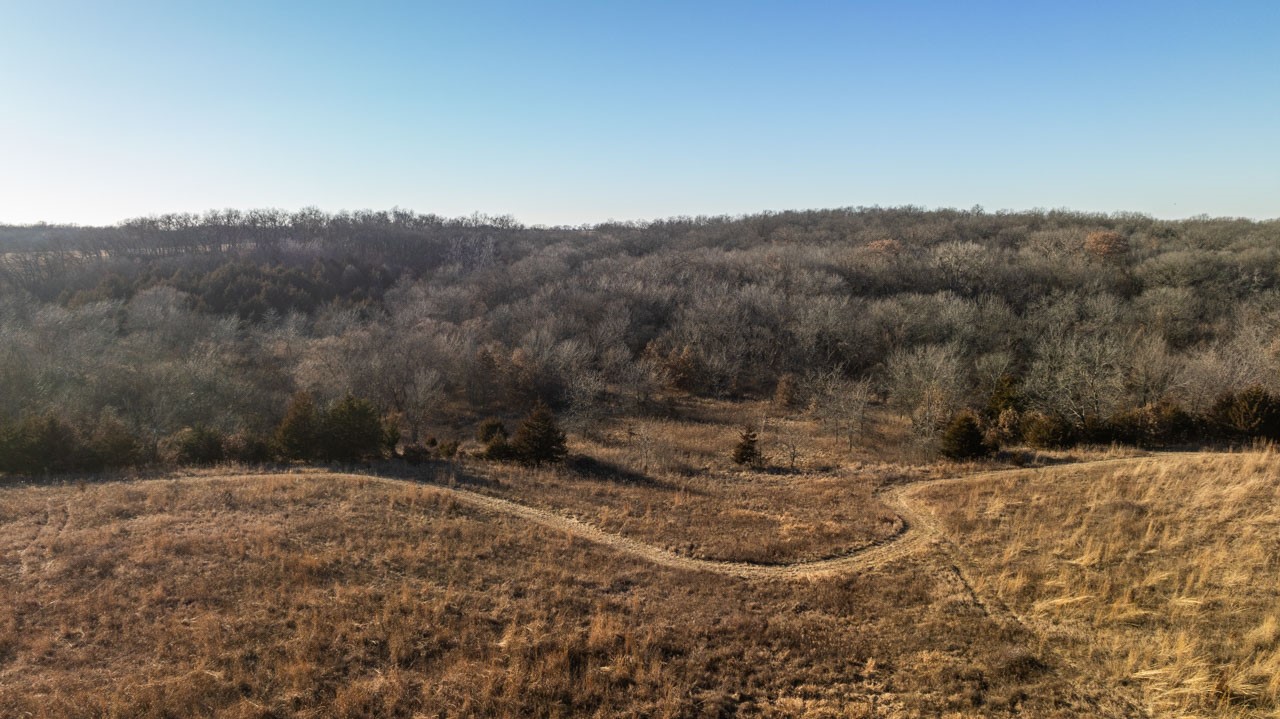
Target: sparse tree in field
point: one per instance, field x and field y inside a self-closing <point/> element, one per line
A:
<point x="790" y="439"/>
<point x="746" y="452"/>
<point x="588" y="400"/>
<point x="539" y="440"/>
<point x="786" y="394"/>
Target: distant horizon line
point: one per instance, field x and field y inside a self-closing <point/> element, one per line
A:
<point x="730" y="216"/>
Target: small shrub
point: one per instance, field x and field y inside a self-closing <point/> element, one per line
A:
<point x="298" y="435"/>
<point x="491" y="429"/>
<point x="1006" y="429"/>
<point x="390" y="434"/>
<point x="962" y="438"/>
<point x="786" y="394"/>
<point x="1005" y="397"/>
<point x="44" y="445"/>
<point x="1253" y="412"/>
<point x="499" y="450"/>
<point x="1131" y="426"/>
<point x="448" y="448"/>
<point x="113" y="446"/>
<point x="416" y="454"/>
<point x="196" y="445"/>
<point x="747" y="451"/>
<point x="249" y="448"/>
<point x="1154" y="425"/>
<point x="1172" y="423"/>
<point x="1047" y="431"/>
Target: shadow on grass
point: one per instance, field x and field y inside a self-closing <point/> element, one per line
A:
<point x="465" y="474"/>
<point x="591" y="468"/>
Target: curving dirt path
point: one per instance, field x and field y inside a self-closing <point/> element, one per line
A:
<point x="918" y="531"/>
<point x="889" y="549"/>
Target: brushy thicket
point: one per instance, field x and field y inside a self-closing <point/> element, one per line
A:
<point x="1053" y="327"/>
<point x="349" y="431"/>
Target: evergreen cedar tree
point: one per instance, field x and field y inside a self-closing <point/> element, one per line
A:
<point x="962" y="438"/>
<point x="539" y="440"/>
<point x="348" y="432"/>
<point x="353" y="431"/>
<point x="746" y="452"/>
<point x="1254" y="412"/>
<point x="298" y="435"/>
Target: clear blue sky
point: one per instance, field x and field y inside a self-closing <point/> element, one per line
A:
<point x="570" y="112"/>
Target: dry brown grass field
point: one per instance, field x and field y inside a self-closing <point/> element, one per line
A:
<point x="615" y="586"/>
<point x="319" y="595"/>
<point x="670" y="483"/>
<point x="1161" y="574"/>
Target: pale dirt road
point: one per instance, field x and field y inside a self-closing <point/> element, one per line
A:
<point x="918" y="530"/>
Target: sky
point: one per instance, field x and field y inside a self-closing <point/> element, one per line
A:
<point x="581" y="112"/>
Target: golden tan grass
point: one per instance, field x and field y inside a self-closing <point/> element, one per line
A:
<point x="1163" y="573"/>
<point x="316" y="596"/>
<point x="676" y="488"/>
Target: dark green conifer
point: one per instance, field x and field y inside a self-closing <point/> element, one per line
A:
<point x="962" y="438"/>
<point x="747" y="452"/>
<point x="539" y="439"/>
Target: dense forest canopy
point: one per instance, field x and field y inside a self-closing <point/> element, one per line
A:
<point x="162" y="324"/>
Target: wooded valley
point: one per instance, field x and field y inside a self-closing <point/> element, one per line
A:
<point x="185" y="338"/>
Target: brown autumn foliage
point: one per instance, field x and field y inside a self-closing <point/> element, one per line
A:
<point x="1106" y="245"/>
